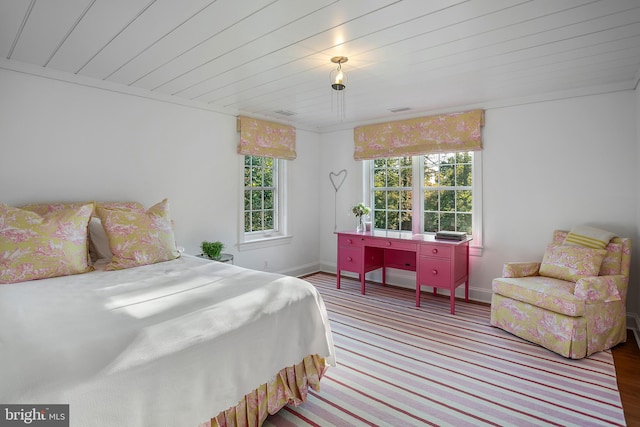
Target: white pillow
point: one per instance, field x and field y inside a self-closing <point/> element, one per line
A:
<point x="98" y="241"/>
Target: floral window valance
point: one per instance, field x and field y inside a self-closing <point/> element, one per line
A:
<point x="266" y="139"/>
<point x="443" y="133"/>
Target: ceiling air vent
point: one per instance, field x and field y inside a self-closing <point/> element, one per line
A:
<point x="286" y="112"/>
<point x="399" y="109"/>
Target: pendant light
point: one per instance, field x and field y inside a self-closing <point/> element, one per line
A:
<point x="338" y="80"/>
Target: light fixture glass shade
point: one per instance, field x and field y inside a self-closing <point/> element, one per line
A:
<point x="338" y="79"/>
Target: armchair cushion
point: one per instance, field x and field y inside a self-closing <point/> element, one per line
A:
<point x="571" y="262"/>
<point x="546" y="292"/>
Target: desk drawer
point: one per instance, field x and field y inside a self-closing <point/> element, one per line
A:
<point x="436" y="251"/>
<point x="349" y="259"/>
<point x="352" y="241"/>
<point x="390" y="244"/>
<point x="435" y="272"/>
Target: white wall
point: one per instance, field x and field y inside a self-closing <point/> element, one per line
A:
<point x="546" y="165"/>
<point x="66" y="142"/>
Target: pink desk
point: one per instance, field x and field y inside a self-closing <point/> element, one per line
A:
<point x="438" y="263"/>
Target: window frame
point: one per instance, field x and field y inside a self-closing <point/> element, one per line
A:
<point x="279" y="235"/>
<point x="475" y="246"/>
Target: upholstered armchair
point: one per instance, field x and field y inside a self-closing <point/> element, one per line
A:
<point x="573" y="302"/>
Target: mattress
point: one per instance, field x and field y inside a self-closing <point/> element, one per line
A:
<point x="167" y="344"/>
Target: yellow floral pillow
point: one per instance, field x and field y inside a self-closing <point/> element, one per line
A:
<point x="138" y="238"/>
<point x="34" y="246"/>
<point x="571" y="263"/>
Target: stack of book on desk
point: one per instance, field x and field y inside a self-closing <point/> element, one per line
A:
<point x="451" y="235"/>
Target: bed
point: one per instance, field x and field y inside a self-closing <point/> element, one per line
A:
<point x="186" y="341"/>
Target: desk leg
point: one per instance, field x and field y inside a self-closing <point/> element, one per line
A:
<point x="417" y="294"/>
<point x="466" y="290"/>
<point x="384" y="276"/>
<point x="452" y="301"/>
<point x="338" y="280"/>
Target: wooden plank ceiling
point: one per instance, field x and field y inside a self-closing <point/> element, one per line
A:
<point x="265" y="57"/>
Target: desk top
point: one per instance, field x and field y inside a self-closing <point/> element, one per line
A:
<point x="405" y="236"/>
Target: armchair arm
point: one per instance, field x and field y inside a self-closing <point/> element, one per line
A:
<point x="599" y="288"/>
<point x="520" y="269"/>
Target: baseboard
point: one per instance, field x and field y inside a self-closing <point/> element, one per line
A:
<point x="302" y="270"/>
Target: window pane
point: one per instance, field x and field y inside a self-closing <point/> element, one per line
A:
<point x="393" y="178"/>
<point x="393" y="200"/>
<point x="464" y="223"/>
<point x="247" y="200"/>
<point x="268" y="220"/>
<point x="447" y="178"/>
<point x="406" y="221"/>
<point x="431" y="200"/>
<point x="380" y="163"/>
<point x="256" y="221"/>
<point x="463" y="175"/>
<point x="268" y="199"/>
<point x="256" y="177"/>
<point x="379" y="178"/>
<point x="406" y="177"/>
<point x="431" y="222"/>
<point x="405" y="201"/>
<point x="448" y="201"/>
<point x="379" y="200"/>
<point x="256" y="161"/>
<point x="256" y="200"/>
<point x="380" y="219"/>
<point x="247" y="177"/>
<point x="448" y="221"/>
<point x="463" y="201"/>
<point x="393" y="222"/>
<point x="247" y="222"/>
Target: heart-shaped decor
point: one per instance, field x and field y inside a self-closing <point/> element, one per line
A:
<point x="337" y="179"/>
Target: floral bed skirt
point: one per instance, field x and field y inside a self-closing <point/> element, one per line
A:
<point x="290" y="386"/>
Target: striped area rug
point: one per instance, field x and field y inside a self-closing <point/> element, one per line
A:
<point x="399" y="365"/>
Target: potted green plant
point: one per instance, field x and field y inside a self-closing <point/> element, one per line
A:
<point x="212" y="249"/>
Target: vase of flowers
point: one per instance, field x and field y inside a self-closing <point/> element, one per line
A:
<point x="360" y="211"/>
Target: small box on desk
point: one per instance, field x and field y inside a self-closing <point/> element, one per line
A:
<point x="451" y="235"/>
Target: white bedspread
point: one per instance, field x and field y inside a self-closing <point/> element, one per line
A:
<point x="170" y="344"/>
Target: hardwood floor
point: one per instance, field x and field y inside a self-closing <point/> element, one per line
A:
<point x="627" y="360"/>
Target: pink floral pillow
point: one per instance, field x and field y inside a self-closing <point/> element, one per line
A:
<point x="571" y="263"/>
<point x="34" y="246"/>
<point x="138" y="238"/>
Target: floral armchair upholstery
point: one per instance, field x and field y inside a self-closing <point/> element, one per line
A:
<point x="574" y="311"/>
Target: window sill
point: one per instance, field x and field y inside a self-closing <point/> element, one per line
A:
<point x="266" y="242"/>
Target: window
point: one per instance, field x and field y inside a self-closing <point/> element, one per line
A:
<point x="447" y="191"/>
<point x="263" y="202"/>
<point x="260" y="194"/>
<point x="425" y="194"/>
<point x="393" y="193"/>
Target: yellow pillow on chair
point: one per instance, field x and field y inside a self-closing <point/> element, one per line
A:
<point x="571" y="263"/>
